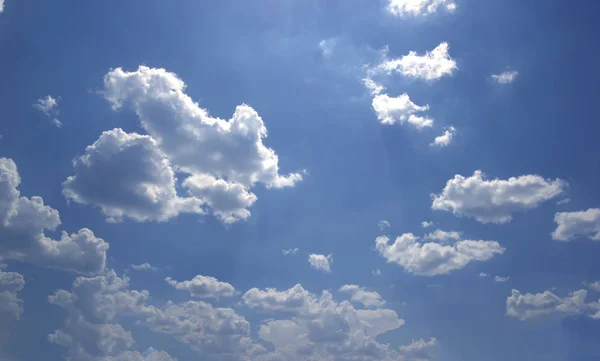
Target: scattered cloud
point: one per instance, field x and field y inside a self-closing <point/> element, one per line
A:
<point x="505" y="78"/>
<point x="594" y="286"/>
<point x="203" y="287"/>
<point x="144" y="267"/>
<point x="443" y="236"/>
<point x="584" y="224"/>
<point x="383" y="225"/>
<point x="373" y="87"/>
<point x="527" y="306"/>
<point x="445" y="139"/>
<point x="501" y="279"/>
<point x="426" y="224"/>
<point x="419" y="7"/>
<point x="400" y="110"/>
<point x="494" y="201"/>
<point x="563" y="201"/>
<point x="420" y="349"/>
<point x="1" y="6"/>
<point x="290" y="252"/>
<point x="327" y="46"/>
<point x="376" y="272"/>
<point x="23" y="222"/>
<point x="433" y="65"/>
<point x="49" y="106"/>
<point x="432" y="259"/>
<point x="369" y="299"/>
<point x="482" y="274"/>
<point x="320" y="262"/>
<point x="11" y="306"/>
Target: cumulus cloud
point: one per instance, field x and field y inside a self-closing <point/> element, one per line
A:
<point x="430" y="66"/>
<point x="431" y="259"/>
<point x="23" y="222"/>
<point x="11" y="306"/>
<point x="426" y="224"/>
<point x="203" y="287"/>
<point x="577" y="224"/>
<point x="49" y="106"/>
<point x="594" y="286"/>
<point x="321" y="262"/>
<point x="144" y="267"/>
<point x="527" y="306"/>
<point x="494" y="201"/>
<point x="400" y="110"/>
<point x="506" y="77"/>
<point x="445" y="139"/>
<point x="221" y="160"/>
<point x="290" y="252"/>
<point x="443" y="236"/>
<point x="419" y="7"/>
<point x="363" y="296"/>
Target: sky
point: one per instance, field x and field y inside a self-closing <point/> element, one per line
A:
<point x="324" y="180"/>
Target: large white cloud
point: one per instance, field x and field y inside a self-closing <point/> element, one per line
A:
<point x="400" y="110"/>
<point x="23" y="222"/>
<point x="494" y="201"/>
<point x="431" y="259"/>
<point x="430" y="66"/>
<point x="577" y="224"/>
<point x="419" y="7"/>
<point x="527" y="306"/>
<point x="203" y="287"/>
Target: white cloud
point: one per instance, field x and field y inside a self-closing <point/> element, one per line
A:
<point x="203" y="287"/>
<point x="1" y="6"/>
<point x="400" y="110"/>
<point x="505" y="78"/>
<point x="220" y="159"/>
<point x="494" y="201"/>
<point x="57" y="123"/>
<point x="383" y="225"/>
<point x="23" y="222"/>
<point x="369" y="299"/>
<point x="126" y="175"/>
<point x="443" y="236"/>
<point x="431" y="259"/>
<point x="445" y="139"/>
<point x="527" y="306"/>
<point x="320" y="262"/>
<point x="47" y="105"/>
<point x="419" y="344"/>
<point x="327" y="46"/>
<point x="482" y="274"/>
<point x="144" y="267"/>
<point x="373" y="87"/>
<point x="577" y="224"/>
<point x="426" y="224"/>
<point x="419" y="7"/>
<point x="563" y="201"/>
<point x="11" y="306"/>
<point x="594" y="286"/>
<point x="291" y="251"/>
<point x="433" y="65"/>
<point x="501" y="279"/>
<point x="376" y="272"/>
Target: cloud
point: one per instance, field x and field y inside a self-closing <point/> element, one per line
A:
<point x="432" y="259"/>
<point x="320" y="262"/>
<point x="23" y="222"/>
<point x="373" y="87"/>
<point x="445" y="139"/>
<point x="433" y="65"/>
<point x="126" y="175"/>
<point x="1" y="6"/>
<point x="11" y="306"/>
<point x="220" y="160"/>
<point x="420" y="349"/>
<point x="369" y="299"/>
<point x="376" y="272"/>
<point x="501" y="279"/>
<point x="203" y="287"/>
<point x="400" y="110"/>
<point x="494" y="201"/>
<point x="482" y="274"/>
<point x="144" y="267"/>
<point x="49" y="106"/>
<point x="563" y="201"/>
<point x="291" y="251"/>
<point x="426" y="224"/>
<point x="577" y="224"/>
<point x="419" y="7"/>
<point x="383" y="225"/>
<point x="505" y="78"/>
<point x="327" y="46"/>
<point x="527" y="306"/>
<point x="443" y="236"/>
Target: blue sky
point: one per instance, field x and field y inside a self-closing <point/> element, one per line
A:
<point x="184" y="146"/>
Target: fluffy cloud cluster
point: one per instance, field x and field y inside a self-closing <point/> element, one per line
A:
<point x="23" y="222"/>
<point x="320" y="262"/>
<point x="505" y="78"/>
<point x="445" y="139"/>
<point x="220" y="159"/>
<point x="577" y="224"/>
<point x="203" y="287"/>
<point x="392" y="110"/>
<point x="527" y="306"/>
<point x="430" y="66"/>
<point x="11" y="306"/>
<point x="431" y="259"/>
<point x="494" y="201"/>
<point x="419" y="7"/>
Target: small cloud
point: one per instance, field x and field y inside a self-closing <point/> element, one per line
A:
<point x="376" y="272"/>
<point x="327" y="47"/>
<point x="383" y="225"/>
<point x="373" y="87"/>
<point x="290" y="252"/>
<point x="482" y="274"/>
<point x="426" y="224"/>
<point x="47" y="105"/>
<point x="563" y="201"/>
<point x="445" y="139"/>
<point x="505" y="78"/>
<point x="418" y="8"/>
<point x="144" y="267"/>
<point x="594" y="286"/>
<point x="501" y="279"/>
<point x="57" y="123"/>
<point x="321" y="262"/>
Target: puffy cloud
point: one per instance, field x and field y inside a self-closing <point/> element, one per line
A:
<point x="426" y="224"/>
<point x="383" y="225"/>
<point x="373" y="87"/>
<point x="494" y="201"/>
<point x="127" y="175"/>
<point x="144" y="267"/>
<point x="577" y="224"/>
<point x="23" y="222"/>
<point x="501" y="279"/>
<point x="363" y="296"/>
<point x="443" y="236"/>
<point x="203" y="287"/>
<point x="400" y="110"/>
<point x="419" y="7"/>
<point x="431" y="66"/>
<point x="11" y="306"/>
<point x="527" y="306"/>
<point x="594" y="286"/>
<point x="291" y="251"/>
<point x="445" y="139"/>
<point x="270" y="299"/>
<point x="320" y="262"/>
<point x="505" y="78"/>
<point x="431" y="259"/>
<point x="49" y="106"/>
<point x="1" y="6"/>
